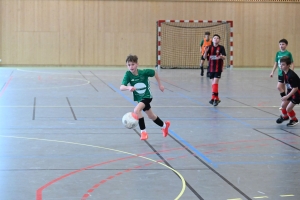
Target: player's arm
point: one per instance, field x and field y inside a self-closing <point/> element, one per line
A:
<point x="161" y="87"/>
<point x="274" y="68"/>
<point x="292" y="92"/>
<point x="223" y="54"/>
<point x="125" y="87"/>
<point x="205" y="53"/>
<point x="201" y="44"/>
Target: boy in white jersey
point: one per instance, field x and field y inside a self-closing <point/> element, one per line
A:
<point x="140" y="86"/>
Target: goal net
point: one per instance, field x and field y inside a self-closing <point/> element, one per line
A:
<point x="178" y="41"/>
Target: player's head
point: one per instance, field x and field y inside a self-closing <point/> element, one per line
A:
<point x="132" y="63"/>
<point x="285" y="63"/>
<point x="283" y="44"/>
<point x="207" y="34"/>
<point x="216" y="39"/>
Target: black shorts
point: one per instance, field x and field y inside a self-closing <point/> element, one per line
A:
<point x="147" y="103"/>
<point x="203" y="58"/>
<point x="215" y="75"/>
<point x="281" y="79"/>
<point x="295" y="99"/>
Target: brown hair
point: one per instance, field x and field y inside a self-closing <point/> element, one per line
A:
<point x="286" y="60"/>
<point x="132" y="58"/>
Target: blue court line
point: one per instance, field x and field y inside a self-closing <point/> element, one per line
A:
<point x="192" y="148"/>
<point x="198" y="153"/>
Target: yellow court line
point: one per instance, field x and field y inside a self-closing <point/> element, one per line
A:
<point x="235" y="199"/>
<point x="287" y="195"/>
<point x="87" y="145"/>
<point x="262" y="197"/>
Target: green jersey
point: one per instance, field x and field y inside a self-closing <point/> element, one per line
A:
<point x="279" y="55"/>
<point x="140" y="82"/>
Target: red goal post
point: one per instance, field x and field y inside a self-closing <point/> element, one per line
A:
<point x="178" y="41"/>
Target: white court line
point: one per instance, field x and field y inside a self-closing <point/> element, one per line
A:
<point x="130" y="106"/>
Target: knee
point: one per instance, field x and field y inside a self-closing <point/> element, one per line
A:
<point x="137" y="111"/>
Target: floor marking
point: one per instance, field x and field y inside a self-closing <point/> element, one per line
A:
<point x="5" y="86"/>
<point x="262" y="197"/>
<point x="235" y="199"/>
<point x="110" y="149"/>
<point x="42" y="88"/>
<point x="287" y="195"/>
<point x="95" y="106"/>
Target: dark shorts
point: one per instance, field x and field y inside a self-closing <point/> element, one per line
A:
<point x="147" y="103"/>
<point x="202" y="58"/>
<point x="213" y="75"/>
<point x="281" y="79"/>
<point x="295" y="99"/>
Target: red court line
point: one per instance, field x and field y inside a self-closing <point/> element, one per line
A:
<point x="39" y="195"/>
<point x="6" y="85"/>
<point x="40" y="190"/>
<point x="87" y="194"/>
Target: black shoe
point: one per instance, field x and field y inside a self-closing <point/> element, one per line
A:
<point x="202" y="71"/>
<point x="208" y="74"/>
<point x="211" y="101"/>
<point x="281" y="119"/>
<point x="293" y="123"/>
<point x="216" y="102"/>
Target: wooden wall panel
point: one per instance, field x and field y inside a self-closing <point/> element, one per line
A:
<point x="89" y="32"/>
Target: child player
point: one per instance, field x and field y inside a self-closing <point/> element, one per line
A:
<point x="140" y="86"/>
<point x="283" y="43"/>
<point x="204" y="43"/>
<point x="292" y="98"/>
<point x="216" y="55"/>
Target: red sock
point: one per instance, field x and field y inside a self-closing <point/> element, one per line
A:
<point x="215" y="90"/>
<point x="284" y="113"/>
<point x="292" y="115"/>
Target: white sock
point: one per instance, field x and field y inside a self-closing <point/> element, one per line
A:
<point x="143" y="130"/>
<point x="164" y="126"/>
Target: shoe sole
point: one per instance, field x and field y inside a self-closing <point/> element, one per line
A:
<point x="293" y="124"/>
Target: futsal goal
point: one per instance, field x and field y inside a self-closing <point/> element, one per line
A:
<point x="178" y="41"/>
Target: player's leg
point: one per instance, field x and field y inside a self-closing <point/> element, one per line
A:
<point x="281" y="86"/>
<point x="138" y="111"/>
<point x="284" y="114"/>
<point x="201" y="65"/>
<point x="215" y="77"/>
<point x="291" y="113"/>
<point x="164" y="125"/>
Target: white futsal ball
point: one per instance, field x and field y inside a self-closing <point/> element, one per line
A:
<point x="130" y="120"/>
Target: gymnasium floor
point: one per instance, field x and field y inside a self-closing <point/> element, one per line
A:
<point x="61" y="138"/>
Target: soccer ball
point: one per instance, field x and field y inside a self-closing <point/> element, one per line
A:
<point x="130" y="120"/>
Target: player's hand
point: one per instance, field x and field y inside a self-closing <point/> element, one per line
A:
<point x="271" y="75"/>
<point x="284" y="98"/>
<point x="131" y="89"/>
<point x="161" y="87"/>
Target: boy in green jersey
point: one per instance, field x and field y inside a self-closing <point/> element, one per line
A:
<point x="283" y="43"/>
<point x="140" y="86"/>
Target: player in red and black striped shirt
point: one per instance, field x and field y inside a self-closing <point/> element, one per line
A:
<point x="292" y="82"/>
<point x="217" y="56"/>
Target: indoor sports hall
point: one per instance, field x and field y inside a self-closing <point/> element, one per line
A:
<point x="61" y="107"/>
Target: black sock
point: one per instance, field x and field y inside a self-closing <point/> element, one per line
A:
<point x="282" y="94"/>
<point x="159" y="122"/>
<point x="142" y="123"/>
